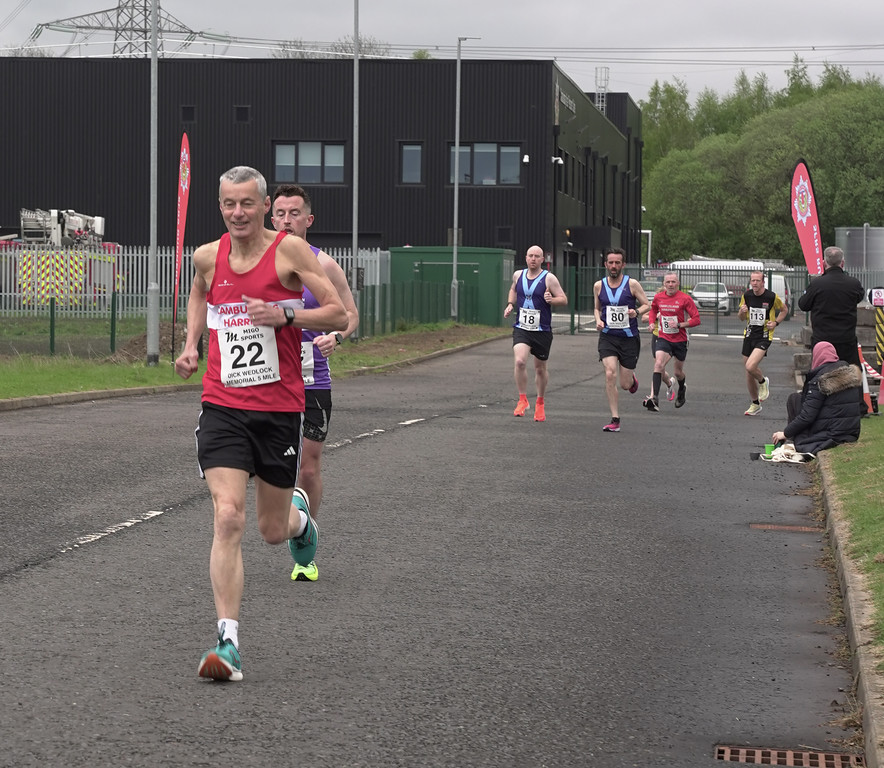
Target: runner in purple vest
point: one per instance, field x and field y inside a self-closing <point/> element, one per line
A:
<point x="619" y="302"/>
<point x="533" y="293"/>
<point x="292" y="212"/>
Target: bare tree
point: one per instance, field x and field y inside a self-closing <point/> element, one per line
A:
<point x="368" y="46"/>
<point x="28" y="51"/>
<point x="298" y="49"/>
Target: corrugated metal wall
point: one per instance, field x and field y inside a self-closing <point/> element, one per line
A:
<point x="77" y="136"/>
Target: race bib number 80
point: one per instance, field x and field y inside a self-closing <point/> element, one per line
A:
<point x="617" y="316"/>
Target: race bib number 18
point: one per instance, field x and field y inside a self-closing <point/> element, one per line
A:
<point x="529" y="319"/>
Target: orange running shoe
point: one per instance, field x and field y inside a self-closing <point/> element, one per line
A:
<point x="540" y="410"/>
<point x="521" y="407"/>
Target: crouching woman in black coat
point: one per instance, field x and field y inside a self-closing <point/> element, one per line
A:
<point x="826" y="412"/>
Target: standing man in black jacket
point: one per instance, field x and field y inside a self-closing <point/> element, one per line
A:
<point x="831" y="299"/>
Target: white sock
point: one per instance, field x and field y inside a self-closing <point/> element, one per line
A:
<point x="228" y="629"/>
<point x="303" y="526"/>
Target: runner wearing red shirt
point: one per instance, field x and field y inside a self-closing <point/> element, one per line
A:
<point x="248" y="289"/>
<point x="675" y="312"/>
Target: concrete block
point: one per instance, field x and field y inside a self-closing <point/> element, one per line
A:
<point x="865" y="316"/>
<point x="801" y="361"/>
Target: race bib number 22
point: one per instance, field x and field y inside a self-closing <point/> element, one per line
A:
<point x="249" y="356"/>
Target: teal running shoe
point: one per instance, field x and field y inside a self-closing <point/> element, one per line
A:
<point x="222" y="662"/>
<point x="305" y="572"/>
<point x="303" y="548"/>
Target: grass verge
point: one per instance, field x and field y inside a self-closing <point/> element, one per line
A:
<point x="857" y="474"/>
<point x="31" y="375"/>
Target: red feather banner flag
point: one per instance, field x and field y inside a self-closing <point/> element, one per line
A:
<point x="807" y="222"/>
<point x="183" y="195"/>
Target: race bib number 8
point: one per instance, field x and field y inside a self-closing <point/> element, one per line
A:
<point x="669" y="324"/>
<point x="617" y="316"/>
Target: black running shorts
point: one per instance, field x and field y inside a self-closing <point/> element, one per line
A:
<point x="676" y="349"/>
<point x="317" y="414"/>
<point x="755" y="342"/>
<point x="540" y="342"/>
<point x="262" y="443"/>
<point x="626" y="349"/>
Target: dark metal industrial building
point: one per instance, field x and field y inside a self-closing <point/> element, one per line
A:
<point x="77" y="135"/>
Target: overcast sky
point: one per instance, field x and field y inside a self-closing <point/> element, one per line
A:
<point x="705" y="44"/>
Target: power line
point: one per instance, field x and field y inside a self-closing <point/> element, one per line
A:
<point x="13" y="13"/>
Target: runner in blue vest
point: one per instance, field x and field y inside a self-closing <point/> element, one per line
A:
<point x="533" y="293"/>
<point x="619" y="302"/>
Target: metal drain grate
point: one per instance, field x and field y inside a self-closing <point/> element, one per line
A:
<point x="788" y="757"/>
<point x="792" y="528"/>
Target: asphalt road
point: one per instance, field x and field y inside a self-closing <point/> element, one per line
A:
<point x="493" y="591"/>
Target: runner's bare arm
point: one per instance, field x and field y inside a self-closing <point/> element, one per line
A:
<point x="555" y="294"/>
<point x="301" y="264"/>
<point x="512" y="297"/>
<point x="335" y="273"/>
<point x="596" y="290"/>
<point x="641" y="299"/>
<point x="203" y="260"/>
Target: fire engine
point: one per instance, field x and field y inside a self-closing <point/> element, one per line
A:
<point x="60" y="228"/>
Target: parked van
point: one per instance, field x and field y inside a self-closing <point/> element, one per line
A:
<point x="780" y="286"/>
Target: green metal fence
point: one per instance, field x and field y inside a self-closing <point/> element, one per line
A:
<point x="53" y="330"/>
<point x="391" y="307"/>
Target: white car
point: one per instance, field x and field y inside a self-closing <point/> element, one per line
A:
<point x="714" y="296"/>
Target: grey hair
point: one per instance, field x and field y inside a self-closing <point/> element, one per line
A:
<point x="240" y="174"/>
<point x="834" y="256"/>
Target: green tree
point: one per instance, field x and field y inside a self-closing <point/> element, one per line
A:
<point x="798" y="88"/>
<point x="667" y="122"/>
<point x="730" y="195"/>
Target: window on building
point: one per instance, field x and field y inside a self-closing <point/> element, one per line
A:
<point x="487" y="164"/>
<point x="309" y="162"/>
<point x="503" y="237"/>
<point x="411" y="166"/>
<point x="242" y="113"/>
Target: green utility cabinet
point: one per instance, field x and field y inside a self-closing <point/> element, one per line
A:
<point x="486" y="270"/>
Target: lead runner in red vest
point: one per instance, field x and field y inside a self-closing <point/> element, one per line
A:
<point x="248" y="288"/>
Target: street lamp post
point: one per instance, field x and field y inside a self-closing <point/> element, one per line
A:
<point x="454" y="297"/>
<point x="354" y="261"/>
<point x="153" y="285"/>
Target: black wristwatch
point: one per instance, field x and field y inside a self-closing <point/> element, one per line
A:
<point x="289" y="315"/>
<point x="339" y="338"/>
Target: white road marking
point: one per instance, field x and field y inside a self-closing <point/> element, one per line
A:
<point x="145" y="516"/>
<point x="89" y="538"/>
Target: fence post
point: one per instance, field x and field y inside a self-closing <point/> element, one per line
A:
<point x="52" y="325"/>
<point x="572" y="296"/>
<point x="113" y="323"/>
